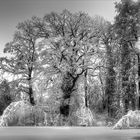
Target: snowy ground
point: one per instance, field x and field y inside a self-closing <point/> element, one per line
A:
<point x="61" y="133"/>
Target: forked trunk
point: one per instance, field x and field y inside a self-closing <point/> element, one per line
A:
<point x="80" y="114"/>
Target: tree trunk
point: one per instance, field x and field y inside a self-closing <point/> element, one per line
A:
<point x="110" y="83"/>
<point x="73" y="98"/>
<point x="138" y="85"/>
<point x="86" y="91"/>
<point x="125" y="67"/>
<point x="31" y="96"/>
<point x="80" y="113"/>
<point x="68" y="85"/>
<point x="103" y="92"/>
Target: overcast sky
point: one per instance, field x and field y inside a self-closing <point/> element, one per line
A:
<point x="14" y="11"/>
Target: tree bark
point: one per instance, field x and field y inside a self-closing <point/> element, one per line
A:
<point x="68" y="85"/>
<point x="73" y="88"/>
<point x="110" y="82"/>
<point x="81" y="114"/>
<point x="86" y="91"/>
<point x="125" y="67"/>
<point x="31" y="96"/>
<point x="138" y="85"/>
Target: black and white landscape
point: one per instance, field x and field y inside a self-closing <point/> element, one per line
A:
<point x="70" y="69"/>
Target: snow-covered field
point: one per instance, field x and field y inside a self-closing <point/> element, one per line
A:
<point x="68" y="133"/>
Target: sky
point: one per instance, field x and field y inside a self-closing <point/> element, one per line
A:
<point x="14" y="11"/>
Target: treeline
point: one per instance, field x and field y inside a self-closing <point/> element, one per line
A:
<point x="55" y="53"/>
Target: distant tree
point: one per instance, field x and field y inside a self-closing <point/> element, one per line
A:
<point x="110" y="85"/>
<point x="126" y="24"/>
<point x="107" y="76"/>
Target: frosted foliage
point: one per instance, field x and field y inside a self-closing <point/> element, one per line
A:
<point x="7" y="113"/>
<point x="21" y="113"/>
<point x="132" y="119"/>
<point x="82" y="117"/>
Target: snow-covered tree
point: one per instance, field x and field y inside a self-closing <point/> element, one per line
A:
<point x="68" y="52"/>
<point x="22" y="61"/>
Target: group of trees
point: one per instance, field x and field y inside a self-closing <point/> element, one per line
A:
<point x="122" y="61"/>
<point x="127" y="26"/>
<point x="73" y="47"/>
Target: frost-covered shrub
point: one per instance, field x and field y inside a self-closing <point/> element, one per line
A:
<point x="21" y="113"/>
<point x="132" y="119"/>
<point x="82" y="117"/>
